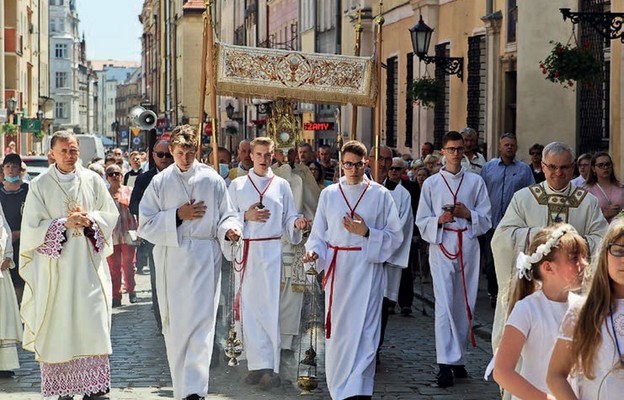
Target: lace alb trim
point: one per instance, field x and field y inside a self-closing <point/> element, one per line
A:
<point x="82" y="376"/>
<point x="54" y="239"/>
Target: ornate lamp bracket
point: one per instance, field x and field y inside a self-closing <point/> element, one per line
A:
<point x="450" y="65"/>
<point x="608" y="24"/>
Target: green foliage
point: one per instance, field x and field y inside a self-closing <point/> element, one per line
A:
<point x="231" y="130"/>
<point x="8" y="128"/>
<point x="425" y="92"/>
<point x="566" y="64"/>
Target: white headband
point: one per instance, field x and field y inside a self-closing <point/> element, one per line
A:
<point x="525" y="262"/>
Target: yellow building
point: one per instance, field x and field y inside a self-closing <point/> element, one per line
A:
<point x="501" y="44"/>
<point x="24" y="68"/>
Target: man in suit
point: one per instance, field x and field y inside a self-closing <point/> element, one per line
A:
<point x="162" y="159"/>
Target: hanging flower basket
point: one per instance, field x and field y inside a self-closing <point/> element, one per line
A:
<point x="8" y="128"/>
<point x="566" y="64"/>
<point x="425" y="92"/>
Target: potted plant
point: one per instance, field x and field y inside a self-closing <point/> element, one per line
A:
<point x="425" y="91"/>
<point x="8" y="128"/>
<point x="566" y="64"/>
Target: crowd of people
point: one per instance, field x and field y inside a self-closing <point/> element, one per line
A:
<point x="368" y="224"/>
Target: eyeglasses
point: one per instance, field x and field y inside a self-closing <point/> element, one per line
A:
<point x="604" y="165"/>
<point x="161" y="154"/>
<point x="535" y="153"/>
<point x="455" y="149"/>
<point x="554" y="168"/>
<point x="113" y="174"/>
<point x="616" y="250"/>
<point x="349" y="165"/>
<point x="395" y="169"/>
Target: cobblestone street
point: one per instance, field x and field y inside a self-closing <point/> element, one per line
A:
<point x="140" y="371"/>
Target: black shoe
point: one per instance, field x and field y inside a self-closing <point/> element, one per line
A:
<point x="66" y="398"/>
<point x="445" y="376"/>
<point x="194" y="397"/>
<point x="405" y="311"/>
<point x="459" y="371"/>
<point x="133" y="298"/>
<point x="94" y="396"/>
<point x="6" y="374"/>
<point x="116" y="303"/>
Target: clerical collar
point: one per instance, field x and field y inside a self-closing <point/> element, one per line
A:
<point x="65" y="176"/>
<point x="564" y="191"/>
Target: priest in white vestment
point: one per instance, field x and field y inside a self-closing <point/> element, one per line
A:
<point x="356" y="229"/>
<point x="10" y="323"/>
<point x="538" y="206"/>
<point x="66" y="231"/>
<point x="454" y="209"/>
<point x="185" y="212"/>
<point x="266" y="206"/>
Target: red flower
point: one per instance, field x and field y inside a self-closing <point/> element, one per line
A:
<point x="556" y="74"/>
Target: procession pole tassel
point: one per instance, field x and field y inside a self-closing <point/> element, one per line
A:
<point x="379" y="21"/>
<point x="202" y="85"/>
<point x="212" y="85"/>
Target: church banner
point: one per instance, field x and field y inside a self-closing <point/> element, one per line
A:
<point x="311" y="77"/>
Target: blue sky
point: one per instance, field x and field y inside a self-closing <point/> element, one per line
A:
<point x="112" y="28"/>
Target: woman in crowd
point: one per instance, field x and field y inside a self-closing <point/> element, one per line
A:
<point x="422" y="173"/>
<point x="603" y="184"/>
<point x="554" y="267"/>
<point x="319" y="174"/>
<point x="123" y="258"/>
<point x="589" y="348"/>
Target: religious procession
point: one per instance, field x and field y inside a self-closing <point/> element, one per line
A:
<point x="247" y="253"/>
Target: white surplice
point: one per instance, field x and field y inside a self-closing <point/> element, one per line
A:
<point x="260" y="289"/>
<point x="451" y="321"/>
<point x="358" y="280"/>
<point x="67" y="296"/>
<point x="400" y="258"/>
<point x="530" y="210"/>
<point x="10" y="323"/>
<point x="188" y="267"/>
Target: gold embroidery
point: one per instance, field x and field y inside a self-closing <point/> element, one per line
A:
<point x="558" y="205"/>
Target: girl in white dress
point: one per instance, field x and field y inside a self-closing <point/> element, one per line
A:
<point x="553" y="268"/>
<point x="591" y="341"/>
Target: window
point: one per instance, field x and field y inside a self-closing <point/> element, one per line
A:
<point x="60" y="110"/>
<point x="61" y="79"/>
<point x="52" y="25"/>
<point x="61" y="25"/>
<point x="60" y="51"/>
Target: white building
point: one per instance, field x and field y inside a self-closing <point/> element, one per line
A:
<point x="70" y="78"/>
<point x="109" y="73"/>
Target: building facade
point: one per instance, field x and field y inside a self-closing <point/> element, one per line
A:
<point x="24" y="69"/>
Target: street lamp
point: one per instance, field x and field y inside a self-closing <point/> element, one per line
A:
<point x="229" y="110"/>
<point x="421" y="39"/>
<point x="11" y="105"/>
<point x="40" y="115"/>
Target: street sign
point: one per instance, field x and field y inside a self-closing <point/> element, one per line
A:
<point x="135" y="131"/>
<point x="31" y="125"/>
<point x="136" y="140"/>
<point x="124" y="134"/>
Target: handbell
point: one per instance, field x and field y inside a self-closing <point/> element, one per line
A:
<point x="233" y="347"/>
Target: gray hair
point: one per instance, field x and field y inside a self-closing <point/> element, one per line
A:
<point x="508" y="135"/>
<point x="468" y="132"/>
<point x="63" y="136"/>
<point x="161" y="141"/>
<point x="399" y="161"/>
<point x="556" y="148"/>
<point x="97" y="168"/>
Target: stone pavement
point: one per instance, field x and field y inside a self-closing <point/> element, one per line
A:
<point x="407" y="369"/>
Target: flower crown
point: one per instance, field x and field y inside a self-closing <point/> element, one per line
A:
<point x="524" y="263"/>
